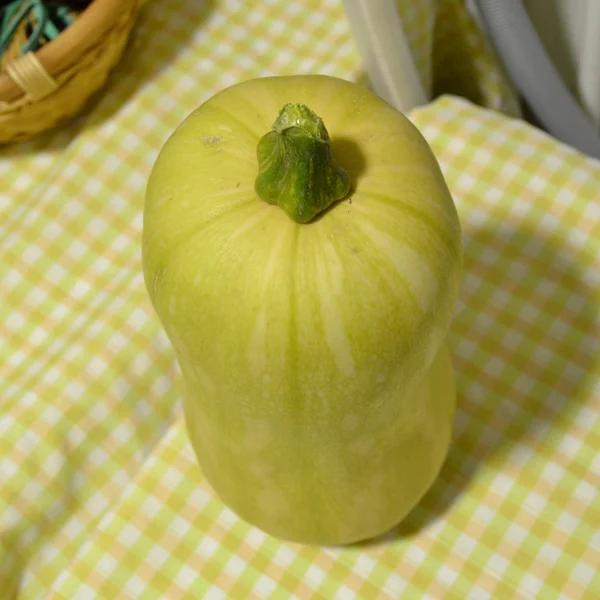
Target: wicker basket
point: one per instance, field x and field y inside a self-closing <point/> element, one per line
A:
<point x="39" y="90"/>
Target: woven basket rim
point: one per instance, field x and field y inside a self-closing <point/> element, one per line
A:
<point x="62" y="52"/>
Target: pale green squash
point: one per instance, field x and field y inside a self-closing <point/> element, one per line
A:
<point x="319" y="397"/>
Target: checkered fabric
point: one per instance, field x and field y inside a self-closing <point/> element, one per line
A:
<point x="100" y="494"/>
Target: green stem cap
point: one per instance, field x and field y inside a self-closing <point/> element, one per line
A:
<point x="296" y="169"/>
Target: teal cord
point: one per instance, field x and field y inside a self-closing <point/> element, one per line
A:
<point x="13" y="15"/>
<point x="50" y="19"/>
<point x="40" y="12"/>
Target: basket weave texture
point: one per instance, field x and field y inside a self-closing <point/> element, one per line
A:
<point x="38" y="91"/>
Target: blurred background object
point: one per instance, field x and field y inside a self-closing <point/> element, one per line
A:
<point x="535" y="59"/>
<point x="570" y="32"/>
<point x="26" y="25"/>
<point x="414" y="52"/>
<point x="544" y="87"/>
<point x="564" y="100"/>
<point x="54" y="58"/>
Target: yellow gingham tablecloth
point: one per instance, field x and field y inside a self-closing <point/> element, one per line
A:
<point x="100" y="495"/>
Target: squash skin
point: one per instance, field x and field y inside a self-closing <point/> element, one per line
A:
<point x="318" y="393"/>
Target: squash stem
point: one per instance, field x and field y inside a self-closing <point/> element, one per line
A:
<point x="296" y="169"/>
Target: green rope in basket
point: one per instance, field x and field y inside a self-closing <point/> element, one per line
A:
<point x="45" y="20"/>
